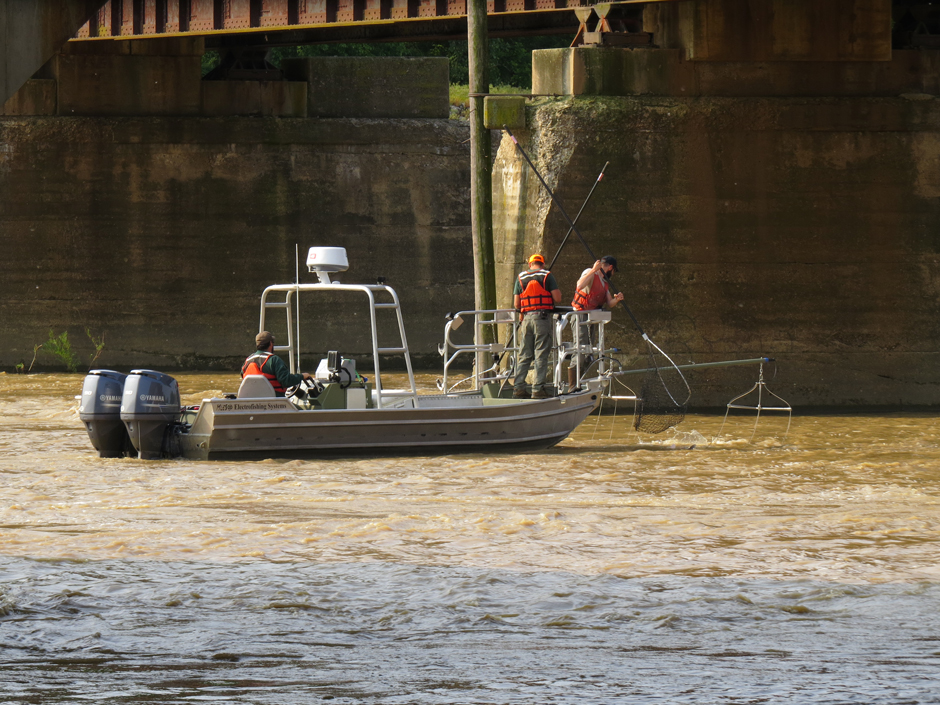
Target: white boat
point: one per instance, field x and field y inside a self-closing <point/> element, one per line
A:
<point x="342" y="413"/>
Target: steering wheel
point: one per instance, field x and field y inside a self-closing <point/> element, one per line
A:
<point x="304" y="388"/>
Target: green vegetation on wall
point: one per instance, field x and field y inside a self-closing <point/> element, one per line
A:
<point x="60" y="347"/>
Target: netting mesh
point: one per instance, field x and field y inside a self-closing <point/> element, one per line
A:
<point x="663" y="398"/>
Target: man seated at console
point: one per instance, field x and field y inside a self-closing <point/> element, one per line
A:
<point x="264" y="362"/>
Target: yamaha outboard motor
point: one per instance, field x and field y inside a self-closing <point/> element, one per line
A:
<point x="100" y="411"/>
<point x="150" y="404"/>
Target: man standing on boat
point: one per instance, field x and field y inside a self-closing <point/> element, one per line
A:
<point x="534" y="296"/>
<point x="265" y="362"/>
<point x="592" y="292"/>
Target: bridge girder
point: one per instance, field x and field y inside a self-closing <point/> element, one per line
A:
<point x="293" y="22"/>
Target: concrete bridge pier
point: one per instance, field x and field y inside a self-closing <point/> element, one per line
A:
<point x="31" y="31"/>
<point x="151" y="207"/>
<point x="773" y="189"/>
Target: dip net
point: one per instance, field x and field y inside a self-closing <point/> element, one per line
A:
<point x="664" y="396"/>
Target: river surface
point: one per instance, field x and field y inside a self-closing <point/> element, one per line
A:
<point x="691" y="567"/>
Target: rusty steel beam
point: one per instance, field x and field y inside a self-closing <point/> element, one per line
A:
<point x="312" y="21"/>
<point x="434" y="29"/>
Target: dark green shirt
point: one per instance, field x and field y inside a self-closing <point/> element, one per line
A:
<point x="550" y="283"/>
<point x="277" y="367"/>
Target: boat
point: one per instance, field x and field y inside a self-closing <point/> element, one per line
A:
<point x="339" y="412"/>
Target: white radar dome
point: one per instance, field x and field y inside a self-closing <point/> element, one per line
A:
<point x="327" y="259"/>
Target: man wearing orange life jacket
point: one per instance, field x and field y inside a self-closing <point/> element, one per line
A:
<point x="534" y="296"/>
<point x="592" y="292"/>
<point x="265" y="362"/>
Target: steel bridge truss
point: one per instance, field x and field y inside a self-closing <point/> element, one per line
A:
<point x="272" y="22"/>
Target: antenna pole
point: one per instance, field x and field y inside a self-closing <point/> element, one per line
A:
<point x="297" y="303"/>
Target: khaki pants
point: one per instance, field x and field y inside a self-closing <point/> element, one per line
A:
<point x="536" y="333"/>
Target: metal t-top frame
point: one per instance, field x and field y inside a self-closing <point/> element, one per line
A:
<point x="291" y="304"/>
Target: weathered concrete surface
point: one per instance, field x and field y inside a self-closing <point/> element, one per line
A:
<point x="773" y="30"/>
<point x="31" y="31"/>
<point x="257" y="98"/>
<point x="128" y="85"/>
<point x="617" y="71"/>
<point x="138" y="78"/>
<point x="144" y="86"/>
<point x="163" y="77"/>
<point x="801" y="228"/>
<point x="36" y="97"/>
<point x="503" y="111"/>
<point x="161" y="233"/>
<point x="373" y="87"/>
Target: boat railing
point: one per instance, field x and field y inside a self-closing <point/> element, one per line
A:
<point x="489" y="327"/>
<point x="291" y="305"/>
<point x="573" y="352"/>
<point x="490" y="355"/>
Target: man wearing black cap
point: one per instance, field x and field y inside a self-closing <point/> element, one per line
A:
<point x="265" y="362"/>
<point x="592" y="292"/>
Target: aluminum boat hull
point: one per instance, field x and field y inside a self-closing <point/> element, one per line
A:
<point x="227" y="428"/>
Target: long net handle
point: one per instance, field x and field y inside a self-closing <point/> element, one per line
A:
<point x="678" y="371"/>
<point x="574" y="228"/>
<point x="578" y="216"/>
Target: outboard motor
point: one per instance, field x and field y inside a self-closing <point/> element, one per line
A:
<point x="150" y="404"/>
<point x="100" y="411"/>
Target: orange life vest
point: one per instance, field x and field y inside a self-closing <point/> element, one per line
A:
<point x="254" y="365"/>
<point x="595" y="298"/>
<point x="534" y="296"/>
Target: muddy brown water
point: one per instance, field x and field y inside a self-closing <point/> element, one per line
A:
<point x="690" y="567"/>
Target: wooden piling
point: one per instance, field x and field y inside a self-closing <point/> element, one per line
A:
<point x="481" y="178"/>
<point x="481" y="158"/>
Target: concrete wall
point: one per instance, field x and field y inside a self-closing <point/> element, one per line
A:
<point x="807" y="229"/>
<point x="615" y="71"/>
<point x="124" y="209"/>
<point x="35" y="97"/>
<point x="773" y="30"/>
<point x="163" y="77"/>
<point x="31" y="31"/>
<point x="151" y="77"/>
<point x="375" y="87"/>
<point x="161" y="233"/>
